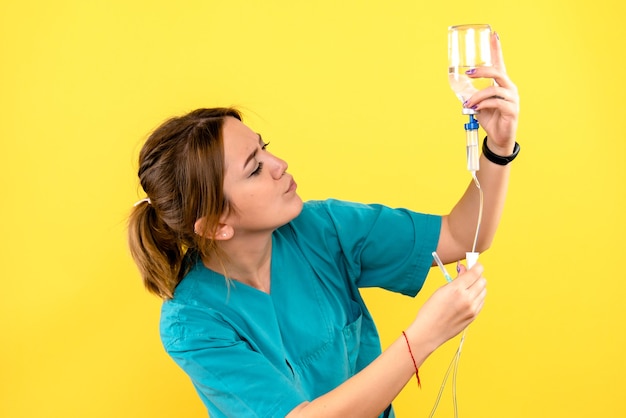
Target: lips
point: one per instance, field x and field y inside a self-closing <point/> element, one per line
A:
<point x="292" y="186"/>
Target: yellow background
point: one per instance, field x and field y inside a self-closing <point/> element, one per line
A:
<point x="354" y="95"/>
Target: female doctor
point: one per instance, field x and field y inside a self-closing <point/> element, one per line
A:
<point x="261" y="306"/>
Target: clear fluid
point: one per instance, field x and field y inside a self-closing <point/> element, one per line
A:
<point x="463" y="86"/>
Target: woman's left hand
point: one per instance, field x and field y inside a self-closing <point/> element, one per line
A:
<point x="498" y="105"/>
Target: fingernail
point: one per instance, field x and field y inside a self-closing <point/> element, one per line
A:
<point x="470" y="71"/>
<point x="465" y="103"/>
<point x="474" y="107"/>
<point x="458" y="266"/>
<point x="497" y="36"/>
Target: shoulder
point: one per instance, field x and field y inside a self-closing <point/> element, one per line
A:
<point x="330" y="210"/>
<point x="196" y="305"/>
<point x="323" y="219"/>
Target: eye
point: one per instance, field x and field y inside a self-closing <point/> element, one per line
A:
<point x="258" y="169"/>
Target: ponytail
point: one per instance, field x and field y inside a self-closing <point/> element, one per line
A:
<point x="155" y="249"/>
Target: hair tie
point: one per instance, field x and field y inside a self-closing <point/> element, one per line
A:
<point x="147" y="200"/>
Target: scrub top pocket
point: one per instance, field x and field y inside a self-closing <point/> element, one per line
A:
<point x="352" y="338"/>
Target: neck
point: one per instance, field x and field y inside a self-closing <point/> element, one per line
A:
<point x="248" y="263"/>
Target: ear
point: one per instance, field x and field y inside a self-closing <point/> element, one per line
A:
<point x="223" y="231"/>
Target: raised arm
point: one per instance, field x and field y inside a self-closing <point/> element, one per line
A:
<point x="498" y="108"/>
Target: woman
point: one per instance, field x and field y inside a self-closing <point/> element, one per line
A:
<point x="262" y="308"/>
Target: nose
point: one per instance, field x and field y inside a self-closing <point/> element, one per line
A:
<point x="279" y="167"/>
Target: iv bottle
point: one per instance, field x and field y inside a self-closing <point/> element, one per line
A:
<point x="468" y="47"/>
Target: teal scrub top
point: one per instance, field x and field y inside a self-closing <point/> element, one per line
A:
<point x="254" y="354"/>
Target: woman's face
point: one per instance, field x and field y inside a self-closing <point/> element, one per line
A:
<point x="256" y="182"/>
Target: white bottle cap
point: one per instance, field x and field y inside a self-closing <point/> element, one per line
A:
<point x="471" y="258"/>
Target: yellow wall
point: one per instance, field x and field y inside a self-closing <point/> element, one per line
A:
<point x="354" y="96"/>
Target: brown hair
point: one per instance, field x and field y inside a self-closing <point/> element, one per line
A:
<point x="181" y="169"/>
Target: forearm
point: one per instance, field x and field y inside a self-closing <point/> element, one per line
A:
<point x="462" y="220"/>
<point x="370" y="391"/>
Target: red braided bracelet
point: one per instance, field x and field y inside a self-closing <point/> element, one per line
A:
<point x="417" y="375"/>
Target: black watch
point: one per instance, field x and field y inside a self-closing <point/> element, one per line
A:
<point x="498" y="159"/>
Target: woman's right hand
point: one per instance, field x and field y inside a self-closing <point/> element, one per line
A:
<point x="450" y="309"/>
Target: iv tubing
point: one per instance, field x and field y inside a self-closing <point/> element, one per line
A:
<point x="480" y="210"/>
<point x="454" y="364"/>
<point x="473" y="165"/>
<point x="473" y="157"/>
<point x="471" y="130"/>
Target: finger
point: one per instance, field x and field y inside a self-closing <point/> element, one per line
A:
<point x="478" y="286"/>
<point x="496" y="52"/>
<point x="480" y="301"/>
<point x="477" y="269"/>
<point x="460" y="268"/>
<point x="505" y="104"/>
<point x="498" y="92"/>
<point x="467" y="278"/>
<point x="506" y="108"/>
<point x="498" y="74"/>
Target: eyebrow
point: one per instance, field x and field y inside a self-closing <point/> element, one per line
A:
<point x="253" y="154"/>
